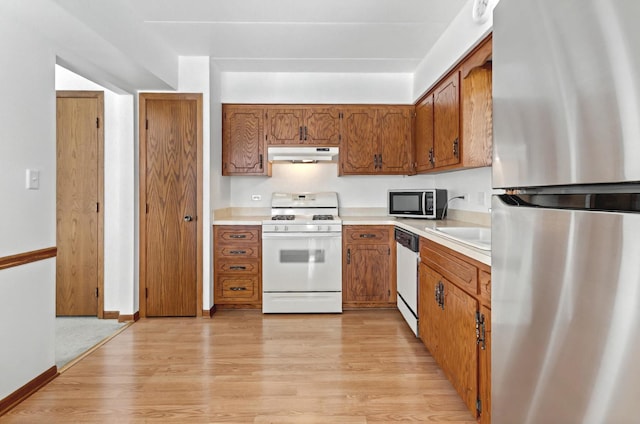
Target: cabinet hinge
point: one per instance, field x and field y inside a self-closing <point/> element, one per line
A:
<point x="456" y="147"/>
<point x="146" y="208"/>
<point x="339" y="137"/>
<point x="146" y="292"/>
<point x="98" y="207"/>
<point x="389" y="251"/>
<point x="97" y="122"/>
<point x="480" y="330"/>
<point x="146" y="124"/>
<point x="97" y="292"/>
<point x="479" y="406"/>
<point x="348" y="256"/>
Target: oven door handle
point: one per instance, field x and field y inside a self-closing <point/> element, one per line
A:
<point x="300" y="235"/>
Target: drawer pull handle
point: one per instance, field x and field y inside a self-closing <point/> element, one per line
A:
<point x="367" y="236"/>
<point x="237" y="288"/>
<point x="238" y="236"/>
<point x="238" y="268"/>
<point x="238" y="252"/>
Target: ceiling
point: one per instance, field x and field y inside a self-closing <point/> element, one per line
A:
<point x="299" y="35"/>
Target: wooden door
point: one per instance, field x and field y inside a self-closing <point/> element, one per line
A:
<point x="322" y="126"/>
<point x="79" y="173"/>
<point x="284" y="126"/>
<point x="429" y="312"/>
<point x="170" y="168"/>
<point x="359" y="141"/>
<point x="446" y="122"/>
<point x="424" y="135"/>
<point x="243" y="142"/>
<point x="458" y="349"/>
<point x="394" y="129"/>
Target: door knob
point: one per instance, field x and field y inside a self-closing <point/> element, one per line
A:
<point x="188" y="218"/>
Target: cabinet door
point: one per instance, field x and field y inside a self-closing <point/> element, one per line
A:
<point x="359" y="142"/>
<point x="485" y="369"/>
<point x="394" y="140"/>
<point x="243" y="140"/>
<point x="424" y="135"/>
<point x="322" y="126"/>
<point x="429" y="312"/>
<point x="446" y="122"/>
<point x="477" y="107"/>
<point x="285" y="126"/>
<point x="458" y="350"/>
<point x="368" y="273"/>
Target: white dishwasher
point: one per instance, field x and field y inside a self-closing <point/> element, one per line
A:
<point x="407" y="272"/>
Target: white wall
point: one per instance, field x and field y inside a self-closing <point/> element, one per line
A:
<point x="118" y="208"/>
<point x="353" y="191"/>
<point x="27" y="217"/>
<point x="194" y="77"/>
<point x="318" y="87"/>
<point x="220" y="186"/>
<point x="27" y="323"/>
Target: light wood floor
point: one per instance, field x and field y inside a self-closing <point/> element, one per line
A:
<point x="245" y="367"/>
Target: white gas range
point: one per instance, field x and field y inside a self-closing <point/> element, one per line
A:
<point x="302" y="254"/>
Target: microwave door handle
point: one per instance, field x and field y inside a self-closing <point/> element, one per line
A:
<point x="424" y="203"/>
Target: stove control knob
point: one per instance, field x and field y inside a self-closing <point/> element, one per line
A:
<point x="277" y="228"/>
<point x="286" y="228"/>
<point x="319" y="228"/>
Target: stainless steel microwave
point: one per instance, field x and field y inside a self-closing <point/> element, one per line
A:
<point x="428" y="203"/>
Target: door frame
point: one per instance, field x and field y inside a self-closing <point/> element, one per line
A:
<point x="99" y="95"/>
<point x="142" y="137"/>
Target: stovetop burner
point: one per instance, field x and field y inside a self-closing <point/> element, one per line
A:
<point x="322" y="217"/>
<point x="283" y="217"/>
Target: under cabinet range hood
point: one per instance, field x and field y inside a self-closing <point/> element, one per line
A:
<point x="299" y="154"/>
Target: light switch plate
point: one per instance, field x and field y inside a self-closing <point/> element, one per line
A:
<point x="33" y="179"/>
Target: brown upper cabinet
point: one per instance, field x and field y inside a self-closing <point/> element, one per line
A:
<point x="453" y="128"/>
<point x="376" y="140"/>
<point x="243" y="140"/>
<point x="424" y="159"/>
<point x="312" y="125"/>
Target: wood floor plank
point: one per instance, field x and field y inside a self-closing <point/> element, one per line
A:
<point x="245" y="367"/>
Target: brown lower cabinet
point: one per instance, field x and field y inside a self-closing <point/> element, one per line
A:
<point x="454" y="314"/>
<point x="237" y="264"/>
<point x="368" y="266"/>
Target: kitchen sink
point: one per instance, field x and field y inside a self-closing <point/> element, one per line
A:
<point x="478" y="237"/>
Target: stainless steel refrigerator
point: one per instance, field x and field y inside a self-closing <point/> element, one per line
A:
<point x="566" y="235"/>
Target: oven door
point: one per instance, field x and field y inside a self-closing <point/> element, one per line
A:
<point x="302" y="262"/>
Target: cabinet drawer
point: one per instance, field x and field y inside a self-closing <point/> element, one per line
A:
<point x="237" y="288"/>
<point x="485" y="287"/>
<point x="237" y="234"/>
<point x="454" y="269"/>
<point x="250" y="266"/>
<point x="367" y="233"/>
<point x="237" y="252"/>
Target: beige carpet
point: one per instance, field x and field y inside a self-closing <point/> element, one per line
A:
<point x="76" y="335"/>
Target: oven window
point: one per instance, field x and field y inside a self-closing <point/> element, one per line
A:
<point x="302" y="256"/>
